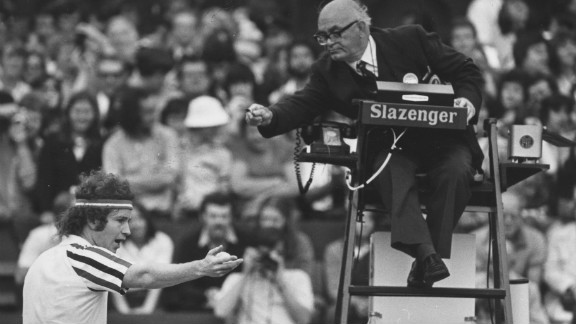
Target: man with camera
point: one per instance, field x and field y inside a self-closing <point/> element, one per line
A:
<point x="267" y="291"/>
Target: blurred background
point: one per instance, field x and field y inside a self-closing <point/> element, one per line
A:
<point x="156" y="91"/>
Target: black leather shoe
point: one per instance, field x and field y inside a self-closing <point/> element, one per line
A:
<point x="416" y="277"/>
<point x="434" y="269"/>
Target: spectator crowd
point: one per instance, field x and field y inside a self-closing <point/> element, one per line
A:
<point x="158" y="97"/>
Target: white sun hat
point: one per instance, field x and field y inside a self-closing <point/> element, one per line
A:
<point x="205" y="111"/>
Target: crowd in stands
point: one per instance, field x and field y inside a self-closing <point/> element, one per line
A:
<point x="160" y="98"/>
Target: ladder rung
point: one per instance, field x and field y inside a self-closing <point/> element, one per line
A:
<point x="481" y="209"/>
<point x="428" y="292"/>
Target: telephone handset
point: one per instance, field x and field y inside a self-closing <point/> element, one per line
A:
<point x="323" y="138"/>
<point x="327" y="137"/>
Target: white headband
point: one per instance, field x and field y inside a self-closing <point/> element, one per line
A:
<point x="104" y="203"/>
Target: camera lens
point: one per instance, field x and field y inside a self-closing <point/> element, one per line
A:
<point x="268" y="262"/>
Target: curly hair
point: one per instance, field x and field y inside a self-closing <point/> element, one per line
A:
<point x="96" y="185"/>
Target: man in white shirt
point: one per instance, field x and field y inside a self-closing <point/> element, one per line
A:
<point x="69" y="283"/>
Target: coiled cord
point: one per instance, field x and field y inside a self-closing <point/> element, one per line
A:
<point x="302" y="188"/>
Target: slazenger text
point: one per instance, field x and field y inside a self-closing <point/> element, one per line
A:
<point x="432" y="117"/>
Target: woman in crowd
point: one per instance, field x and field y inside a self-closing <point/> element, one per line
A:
<point x="75" y="150"/>
<point x="511" y="98"/>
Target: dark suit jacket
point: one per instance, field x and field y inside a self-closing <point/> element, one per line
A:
<point x="407" y="49"/>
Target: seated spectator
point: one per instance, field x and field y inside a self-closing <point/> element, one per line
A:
<point x="277" y="38"/>
<point x="540" y="199"/>
<point x="145" y="244"/>
<point x="464" y="39"/>
<point x="511" y="98"/>
<point x="110" y="80"/>
<point x="281" y="214"/>
<point x="41" y="238"/>
<point x="533" y="54"/>
<point x="539" y="87"/>
<point x="513" y="19"/>
<point x="35" y="67"/>
<point x="216" y="228"/>
<point x="173" y="115"/>
<point x="25" y="136"/>
<point x="206" y="162"/>
<point x="262" y="167"/>
<point x="266" y="291"/>
<point x="218" y="53"/>
<point x="8" y="110"/>
<point x="299" y="59"/>
<point x="194" y="78"/>
<point x="152" y="65"/>
<point x="556" y="116"/>
<point x="66" y="155"/>
<point x="47" y="95"/>
<point x="72" y="70"/>
<point x="184" y="39"/>
<point x="240" y="86"/>
<point x="560" y="266"/>
<point x="564" y="46"/>
<point x="12" y="77"/>
<point x="358" y="312"/>
<point x="122" y="37"/>
<point x="484" y="16"/>
<point x="526" y="250"/>
<point x="248" y="42"/>
<point x="144" y="152"/>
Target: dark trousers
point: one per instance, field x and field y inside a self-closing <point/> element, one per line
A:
<point x="449" y="174"/>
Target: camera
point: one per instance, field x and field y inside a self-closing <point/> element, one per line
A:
<point x="266" y="242"/>
<point x="267" y="263"/>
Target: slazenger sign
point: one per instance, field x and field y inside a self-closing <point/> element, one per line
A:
<point x="412" y="115"/>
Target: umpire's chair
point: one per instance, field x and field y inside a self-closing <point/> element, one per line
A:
<point x="486" y="197"/>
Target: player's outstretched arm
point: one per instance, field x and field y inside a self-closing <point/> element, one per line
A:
<point x="158" y="275"/>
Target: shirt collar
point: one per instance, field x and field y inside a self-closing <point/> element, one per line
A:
<point x="204" y="239"/>
<point x="369" y="57"/>
<point x="71" y="239"/>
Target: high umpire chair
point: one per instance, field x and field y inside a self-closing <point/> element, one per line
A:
<point x="486" y="197"/>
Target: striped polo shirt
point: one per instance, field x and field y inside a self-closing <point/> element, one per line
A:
<point x="69" y="283"/>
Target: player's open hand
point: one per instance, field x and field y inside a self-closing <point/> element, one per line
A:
<point x="218" y="263"/>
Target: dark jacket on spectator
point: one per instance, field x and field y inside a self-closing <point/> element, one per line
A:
<point x="58" y="168"/>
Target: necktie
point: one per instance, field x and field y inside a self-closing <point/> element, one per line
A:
<point x="364" y="72"/>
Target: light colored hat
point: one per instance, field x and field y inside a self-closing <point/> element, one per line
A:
<point x="205" y="111"/>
